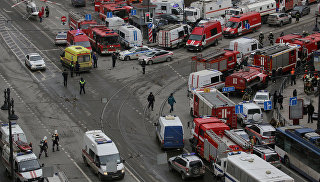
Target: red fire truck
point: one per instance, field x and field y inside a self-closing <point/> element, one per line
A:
<point x="221" y="60"/>
<point x="248" y="77"/>
<point x="279" y="57"/>
<point x="288" y="38"/>
<point x="103" y="40"/>
<point x="211" y="102"/>
<point x="97" y="3"/>
<point x="79" y="38"/>
<point x="77" y="21"/>
<point x="212" y="138"/>
<point x="286" y="5"/>
<point x="116" y="9"/>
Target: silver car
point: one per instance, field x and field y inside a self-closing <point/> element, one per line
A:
<point x="61" y="38"/>
<point x="134" y="53"/>
<point x="156" y="56"/>
<point x="35" y="62"/>
<point x="279" y="19"/>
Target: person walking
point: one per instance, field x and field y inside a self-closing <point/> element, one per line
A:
<point x="143" y="65"/>
<point x="280" y="100"/>
<point x="40" y="16"/>
<point x="55" y="140"/>
<point x="171" y="101"/>
<point x="114" y="59"/>
<point x="261" y="37"/>
<point x="282" y="34"/>
<point x="154" y="35"/>
<point x="151" y="100"/>
<point x="77" y="68"/>
<point x="310" y="112"/>
<point x="47" y="11"/>
<point x="42" y="10"/>
<point x="43" y="146"/>
<point x="294" y="93"/>
<point x="71" y="68"/>
<point x="82" y="83"/>
<point x="275" y="99"/>
<point x="95" y="60"/>
<point x="65" y="78"/>
<point x="293" y="77"/>
<point x="271" y="37"/>
<point x="297" y="17"/>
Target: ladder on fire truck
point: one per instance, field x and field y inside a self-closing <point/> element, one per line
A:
<point x="210" y="56"/>
<point x="220" y="150"/>
<point x="238" y="139"/>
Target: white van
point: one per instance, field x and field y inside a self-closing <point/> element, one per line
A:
<point x="114" y="23"/>
<point x="244" y="45"/>
<point x="171" y="36"/>
<point x="17" y="133"/>
<point x="101" y="153"/>
<point x="130" y="36"/>
<point x="251" y="114"/>
<point x="205" y="78"/>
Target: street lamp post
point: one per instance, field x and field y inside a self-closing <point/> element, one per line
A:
<point x="316" y="29"/>
<point x="10" y="135"/>
<point x="5" y="103"/>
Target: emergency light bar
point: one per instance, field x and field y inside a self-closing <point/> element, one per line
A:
<point x="79" y="34"/>
<point x="7" y="124"/>
<point x="103" y="140"/>
<point x="188" y="154"/>
<point x="23" y="153"/>
<point x="263" y="91"/>
<point x="234" y="153"/>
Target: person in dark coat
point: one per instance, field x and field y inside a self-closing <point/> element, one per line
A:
<point x="43" y="146"/>
<point x="65" y="77"/>
<point x="71" y="69"/>
<point x="95" y="60"/>
<point x="47" y="11"/>
<point x="271" y="37"/>
<point x="77" y="68"/>
<point x="171" y="102"/>
<point x="55" y="140"/>
<point x="275" y="99"/>
<point x="282" y="34"/>
<point x="82" y="83"/>
<point x="294" y="93"/>
<point x="154" y="35"/>
<point x="310" y="112"/>
<point x="143" y="65"/>
<point x="40" y="16"/>
<point x="297" y="17"/>
<point x="114" y="59"/>
<point x="261" y="37"/>
<point x="151" y="100"/>
<point x="293" y="76"/>
<point x="273" y="76"/>
<point x="280" y="100"/>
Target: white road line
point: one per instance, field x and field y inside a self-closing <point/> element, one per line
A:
<point x="84" y="174"/>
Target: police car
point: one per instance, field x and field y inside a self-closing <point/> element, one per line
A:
<point x="134" y="53"/>
<point x="261" y="97"/>
<point x="251" y="114"/>
<point x="264" y="133"/>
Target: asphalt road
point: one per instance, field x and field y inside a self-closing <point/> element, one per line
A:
<point x="115" y="100"/>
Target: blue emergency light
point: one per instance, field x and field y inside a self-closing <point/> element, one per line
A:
<point x="234" y="153"/>
<point x="103" y="140"/>
<point x="7" y="124"/>
<point x="188" y="154"/>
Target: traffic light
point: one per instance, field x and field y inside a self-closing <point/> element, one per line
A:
<point x="147" y="17"/>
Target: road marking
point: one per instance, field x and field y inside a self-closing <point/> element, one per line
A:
<point x="7" y="11"/>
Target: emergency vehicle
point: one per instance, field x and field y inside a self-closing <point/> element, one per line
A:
<point x="242" y="24"/>
<point x="244" y="45"/>
<point x="26" y="164"/>
<point x="287" y="5"/>
<point x="279" y="57"/>
<point x="251" y="114"/>
<point x="241" y="166"/>
<point x="77" y="53"/>
<point x="265" y="8"/>
<point x="114" y="23"/>
<point x="211" y="102"/>
<point x="103" y="40"/>
<point x="78" y="38"/>
<point x="212" y="8"/>
<point x="116" y="9"/>
<point x="212" y="138"/>
<point x="205" y="78"/>
<point x="77" y="21"/>
<point x="130" y="36"/>
<point x="102" y="155"/>
<point x="221" y="60"/>
<point x="204" y="35"/>
<point x="192" y="14"/>
<point x="171" y="36"/>
<point x="169" y="7"/>
<point x="17" y="134"/>
<point x="289" y="38"/>
<point x="97" y="3"/>
<point x="248" y="77"/>
<point x="134" y="53"/>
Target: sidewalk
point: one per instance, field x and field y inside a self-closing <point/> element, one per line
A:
<point x="287" y="93"/>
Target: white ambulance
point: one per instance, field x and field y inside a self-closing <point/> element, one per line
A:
<point x="205" y="78"/>
<point x="26" y="164"/>
<point x="17" y="134"/>
<point x="169" y="7"/>
<point x="130" y="36"/>
<point x="101" y="154"/>
<point x="212" y="8"/>
<point x="175" y="36"/>
<point x="114" y="23"/>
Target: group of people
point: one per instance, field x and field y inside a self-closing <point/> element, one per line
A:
<point x="277" y="99"/>
<point x="41" y="13"/>
<point x="270" y="38"/>
<point x="44" y="144"/>
<point x="310" y="81"/>
<point x="151" y="101"/>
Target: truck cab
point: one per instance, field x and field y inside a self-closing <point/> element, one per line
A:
<point x="74" y="54"/>
<point x="17" y="134"/>
<point x="206" y="78"/>
<point x="78" y="38"/>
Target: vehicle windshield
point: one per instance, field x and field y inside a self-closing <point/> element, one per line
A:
<point x="272" y="158"/>
<point x="61" y="36"/>
<point x="244" y="136"/>
<point x="297" y="8"/>
<point x="150" y="54"/>
<point x="110" y="40"/>
<point x="122" y="13"/>
<point x="35" y="58"/>
<point x="29" y="165"/>
<point x="253" y="111"/>
<point x="132" y="49"/>
<point x="188" y="13"/>
<point x="35" y="9"/>
<point x="269" y="133"/>
<point x="85" y="26"/>
<point x="273" y="16"/>
<point x="109" y="158"/>
<point x="195" y="37"/>
<point x="83" y="58"/>
<point x="262" y="97"/>
<point x="232" y="12"/>
<point x="83" y="44"/>
<point x="231" y="24"/>
<point x="195" y="164"/>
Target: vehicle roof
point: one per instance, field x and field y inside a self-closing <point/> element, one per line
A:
<point x="278" y="13"/>
<point x="273" y="50"/>
<point x="244" y="40"/>
<point x="103" y="144"/>
<point x="264" y="148"/>
<point x="16" y="129"/>
<point x="203" y="120"/>
<point x="248" y="73"/>
<point x="103" y="31"/>
<point x="190" y="157"/>
<point x="77" y="49"/>
<point x="34" y="54"/>
<point x="128" y="27"/>
<point x="170" y="120"/>
<point x="215" y="97"/>
<point x="290" y="37"/>
<point x="262" y="93"/>
<point x="266" y="127"/>
<point x="75" y="32"/>
<point x="171" y="27"/>
<point x="258" y="167"/>
<point x="250" y="105"/>
<point x="207" y="72"/>
<point x="25" y="157"/>
<point x="245" y="14"/>
<point x="199" y="30"/>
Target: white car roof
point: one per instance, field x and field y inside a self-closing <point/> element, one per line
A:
<point x="206" y="72"/>
<point x="266" y="127"/>
<point x="103" y="144"/>
<point x="250" y="105"/>
<point x="262" y="93"/>
<point x="34" y="54"/>
<point x="16" y="129"/>
<point x="171" y="121"/>
<point x="25" y="157"/>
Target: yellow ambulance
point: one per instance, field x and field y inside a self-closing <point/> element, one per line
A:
<point x="77" y="53"/>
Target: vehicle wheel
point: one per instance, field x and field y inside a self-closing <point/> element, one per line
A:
<point x="195" y="170"/>
<point x="254" y="30"/>
<point x="127" y="58"/>
<point x="286" y="161"/>
<point x="170" y="167"/>
<point x="281" y="24"/>
<point x="150" y="62"/>
<point x="201" y="48"/>
<point x="169" y="59"/>
<point x="85" y="161"/>
<point x="183" y="176"/>
<point x="290" y="20"/>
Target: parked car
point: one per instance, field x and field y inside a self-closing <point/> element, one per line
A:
<point x="134" y="53"/>
<point x="170" y="17"/>
<point x="35" y="62"/>
<point x="156" y="56"/>
<point x="279" y="19"/>
<point x="261" y="97"/>
<point x="188" y="165"/>
<point x="268" y="154"/>
<point x="264" y="133"/>
<point x="61" y="38"/>
<point x="302" y="10"/>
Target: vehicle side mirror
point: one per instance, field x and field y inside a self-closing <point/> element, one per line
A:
<point x="42" y="165"/>
<point x="98" y="164"/>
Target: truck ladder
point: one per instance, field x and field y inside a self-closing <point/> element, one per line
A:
<point x="222" y="147"/>
<point x="210" y="56"/>
<point x="238" y="139"/>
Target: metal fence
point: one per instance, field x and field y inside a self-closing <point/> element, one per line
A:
<point x="281" y="121"/>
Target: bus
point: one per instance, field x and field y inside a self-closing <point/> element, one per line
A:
<point x="299" y="148"/>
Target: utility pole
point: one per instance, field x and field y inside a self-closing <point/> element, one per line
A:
<point x="10" y="135"/>
<point x="318" y="120"/>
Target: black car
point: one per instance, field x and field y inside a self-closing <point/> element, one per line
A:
<point x="170" y="17"/>
<point x="302" y="10"/>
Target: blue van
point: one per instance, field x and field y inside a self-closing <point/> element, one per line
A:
<point x="169" y="131"/>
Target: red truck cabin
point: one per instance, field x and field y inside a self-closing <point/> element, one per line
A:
<point x="117" y="10"/>
<point x="202" y="36"/>
<point x="237" y="24"/>
<point x="288" y="38"/>
<point x="77" y="21"/>
<point x="104" y="40"/>
<point x="79" y="38"/>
